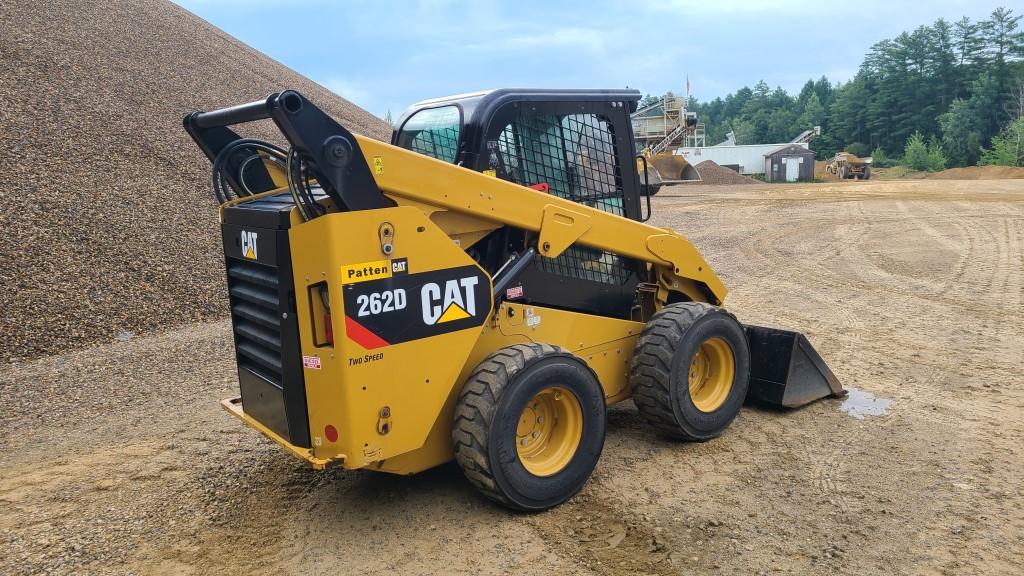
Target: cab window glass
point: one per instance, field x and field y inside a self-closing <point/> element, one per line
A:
<point x="433" y="132"/>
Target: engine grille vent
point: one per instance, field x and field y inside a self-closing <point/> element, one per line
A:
<point x="256" y="318"/>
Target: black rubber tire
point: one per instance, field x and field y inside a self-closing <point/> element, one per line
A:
<point x="867" y="173"/>
<point x="661" y="360"/>
<point x="488" y="410"/>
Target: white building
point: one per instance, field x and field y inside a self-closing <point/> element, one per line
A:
<point x="746" y="159"/>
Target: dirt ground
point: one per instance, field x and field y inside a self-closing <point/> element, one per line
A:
<point x="117" y="459"/>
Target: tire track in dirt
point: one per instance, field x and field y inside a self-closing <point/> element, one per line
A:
<point x="602" y="536"/>
<point x="807" y="277"/>
<point x="930" y="391"/>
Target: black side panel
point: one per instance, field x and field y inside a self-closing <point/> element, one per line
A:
<point x="263" y="316"/>
<point x="263" y="400"/>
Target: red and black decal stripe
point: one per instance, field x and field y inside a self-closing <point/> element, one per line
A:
<point x="360" y="335"/>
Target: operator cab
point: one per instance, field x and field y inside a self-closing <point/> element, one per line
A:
<point x="575" y="141"/>
<point x="575" y="144"/>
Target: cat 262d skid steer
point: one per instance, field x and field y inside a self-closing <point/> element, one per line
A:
<point x="481" y="289"/>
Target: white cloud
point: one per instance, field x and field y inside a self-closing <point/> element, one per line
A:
<point x="583" y="39"/>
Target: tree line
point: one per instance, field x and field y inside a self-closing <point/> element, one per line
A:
<point x="948" y="94"/>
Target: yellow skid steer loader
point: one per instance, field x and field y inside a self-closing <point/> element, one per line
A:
<point x="481" y="289"/>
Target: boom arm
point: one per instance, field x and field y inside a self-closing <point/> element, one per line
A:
<point x="405" y="175"/>
<point x="360" y="173"/>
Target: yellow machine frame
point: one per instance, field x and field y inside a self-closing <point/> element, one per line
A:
<point x="395" y="416"/>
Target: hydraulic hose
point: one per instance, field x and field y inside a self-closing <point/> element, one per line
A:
<point x="224" y="189"/>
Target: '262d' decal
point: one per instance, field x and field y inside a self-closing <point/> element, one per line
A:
<point x="408" y="307"/>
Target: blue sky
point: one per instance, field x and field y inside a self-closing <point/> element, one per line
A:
<point x="385" y="54"/>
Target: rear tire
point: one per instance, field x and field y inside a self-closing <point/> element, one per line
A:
<point x="690" y="370"/>
<point x="529" y="426"/>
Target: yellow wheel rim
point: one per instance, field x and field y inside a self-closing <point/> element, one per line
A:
<point x="549" y="431"/>
<point x="711" y="374"/>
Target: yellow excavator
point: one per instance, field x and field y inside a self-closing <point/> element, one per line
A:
<point x="480" y="289"/>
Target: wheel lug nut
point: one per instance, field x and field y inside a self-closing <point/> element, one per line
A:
<point x="535" y="434"/>
<point x="540" y="419"/>
<point x="523" y="441"/>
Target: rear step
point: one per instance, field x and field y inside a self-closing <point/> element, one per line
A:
<point x="785" y="370"/>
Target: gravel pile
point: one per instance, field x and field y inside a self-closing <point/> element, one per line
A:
<point x="712" y="173"/>
<point x="109" y="226"/>
<point x="980" y="173"/>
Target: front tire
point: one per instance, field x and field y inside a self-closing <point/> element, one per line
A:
<point x="690" y="370"/>
<point x="529" y="426"/>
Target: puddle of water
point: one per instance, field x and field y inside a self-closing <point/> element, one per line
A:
<point x="861" y="403"/>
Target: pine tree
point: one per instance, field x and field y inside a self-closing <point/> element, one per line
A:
<point x="915" y="154"/>
<point x="848" y="115"/>
<point x="1007" y="148"/>
<point x="943" y="68"/>
<point x="823" y="88"/>
<point x="936" y="157"/>
<point x="1002" y="42"/>
<point x="813" y="113"/>
<point x="960" y="134"/>
<point x="969" y="45"/>
<point x="805" y="93"/>
<point x="986" y="106"/>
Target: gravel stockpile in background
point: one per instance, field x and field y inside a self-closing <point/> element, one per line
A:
<point x="980" y="173"/>
<point x="109" y="225"/>
<point x="712" y="173"/>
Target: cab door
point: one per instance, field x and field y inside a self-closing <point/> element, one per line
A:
<point x="580" y="151"/>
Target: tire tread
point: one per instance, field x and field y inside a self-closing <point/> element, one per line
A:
<point x="650" y="375"/>
<point x="476" y="407"/>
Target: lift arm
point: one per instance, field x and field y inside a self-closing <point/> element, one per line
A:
<point x="403" y="174"/>
<point x="360" y="173"/>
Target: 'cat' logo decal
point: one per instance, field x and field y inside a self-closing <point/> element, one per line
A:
<point x="455" y="301"/>
<point x="249" y="245"/>
<point x="406" y="307"/>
